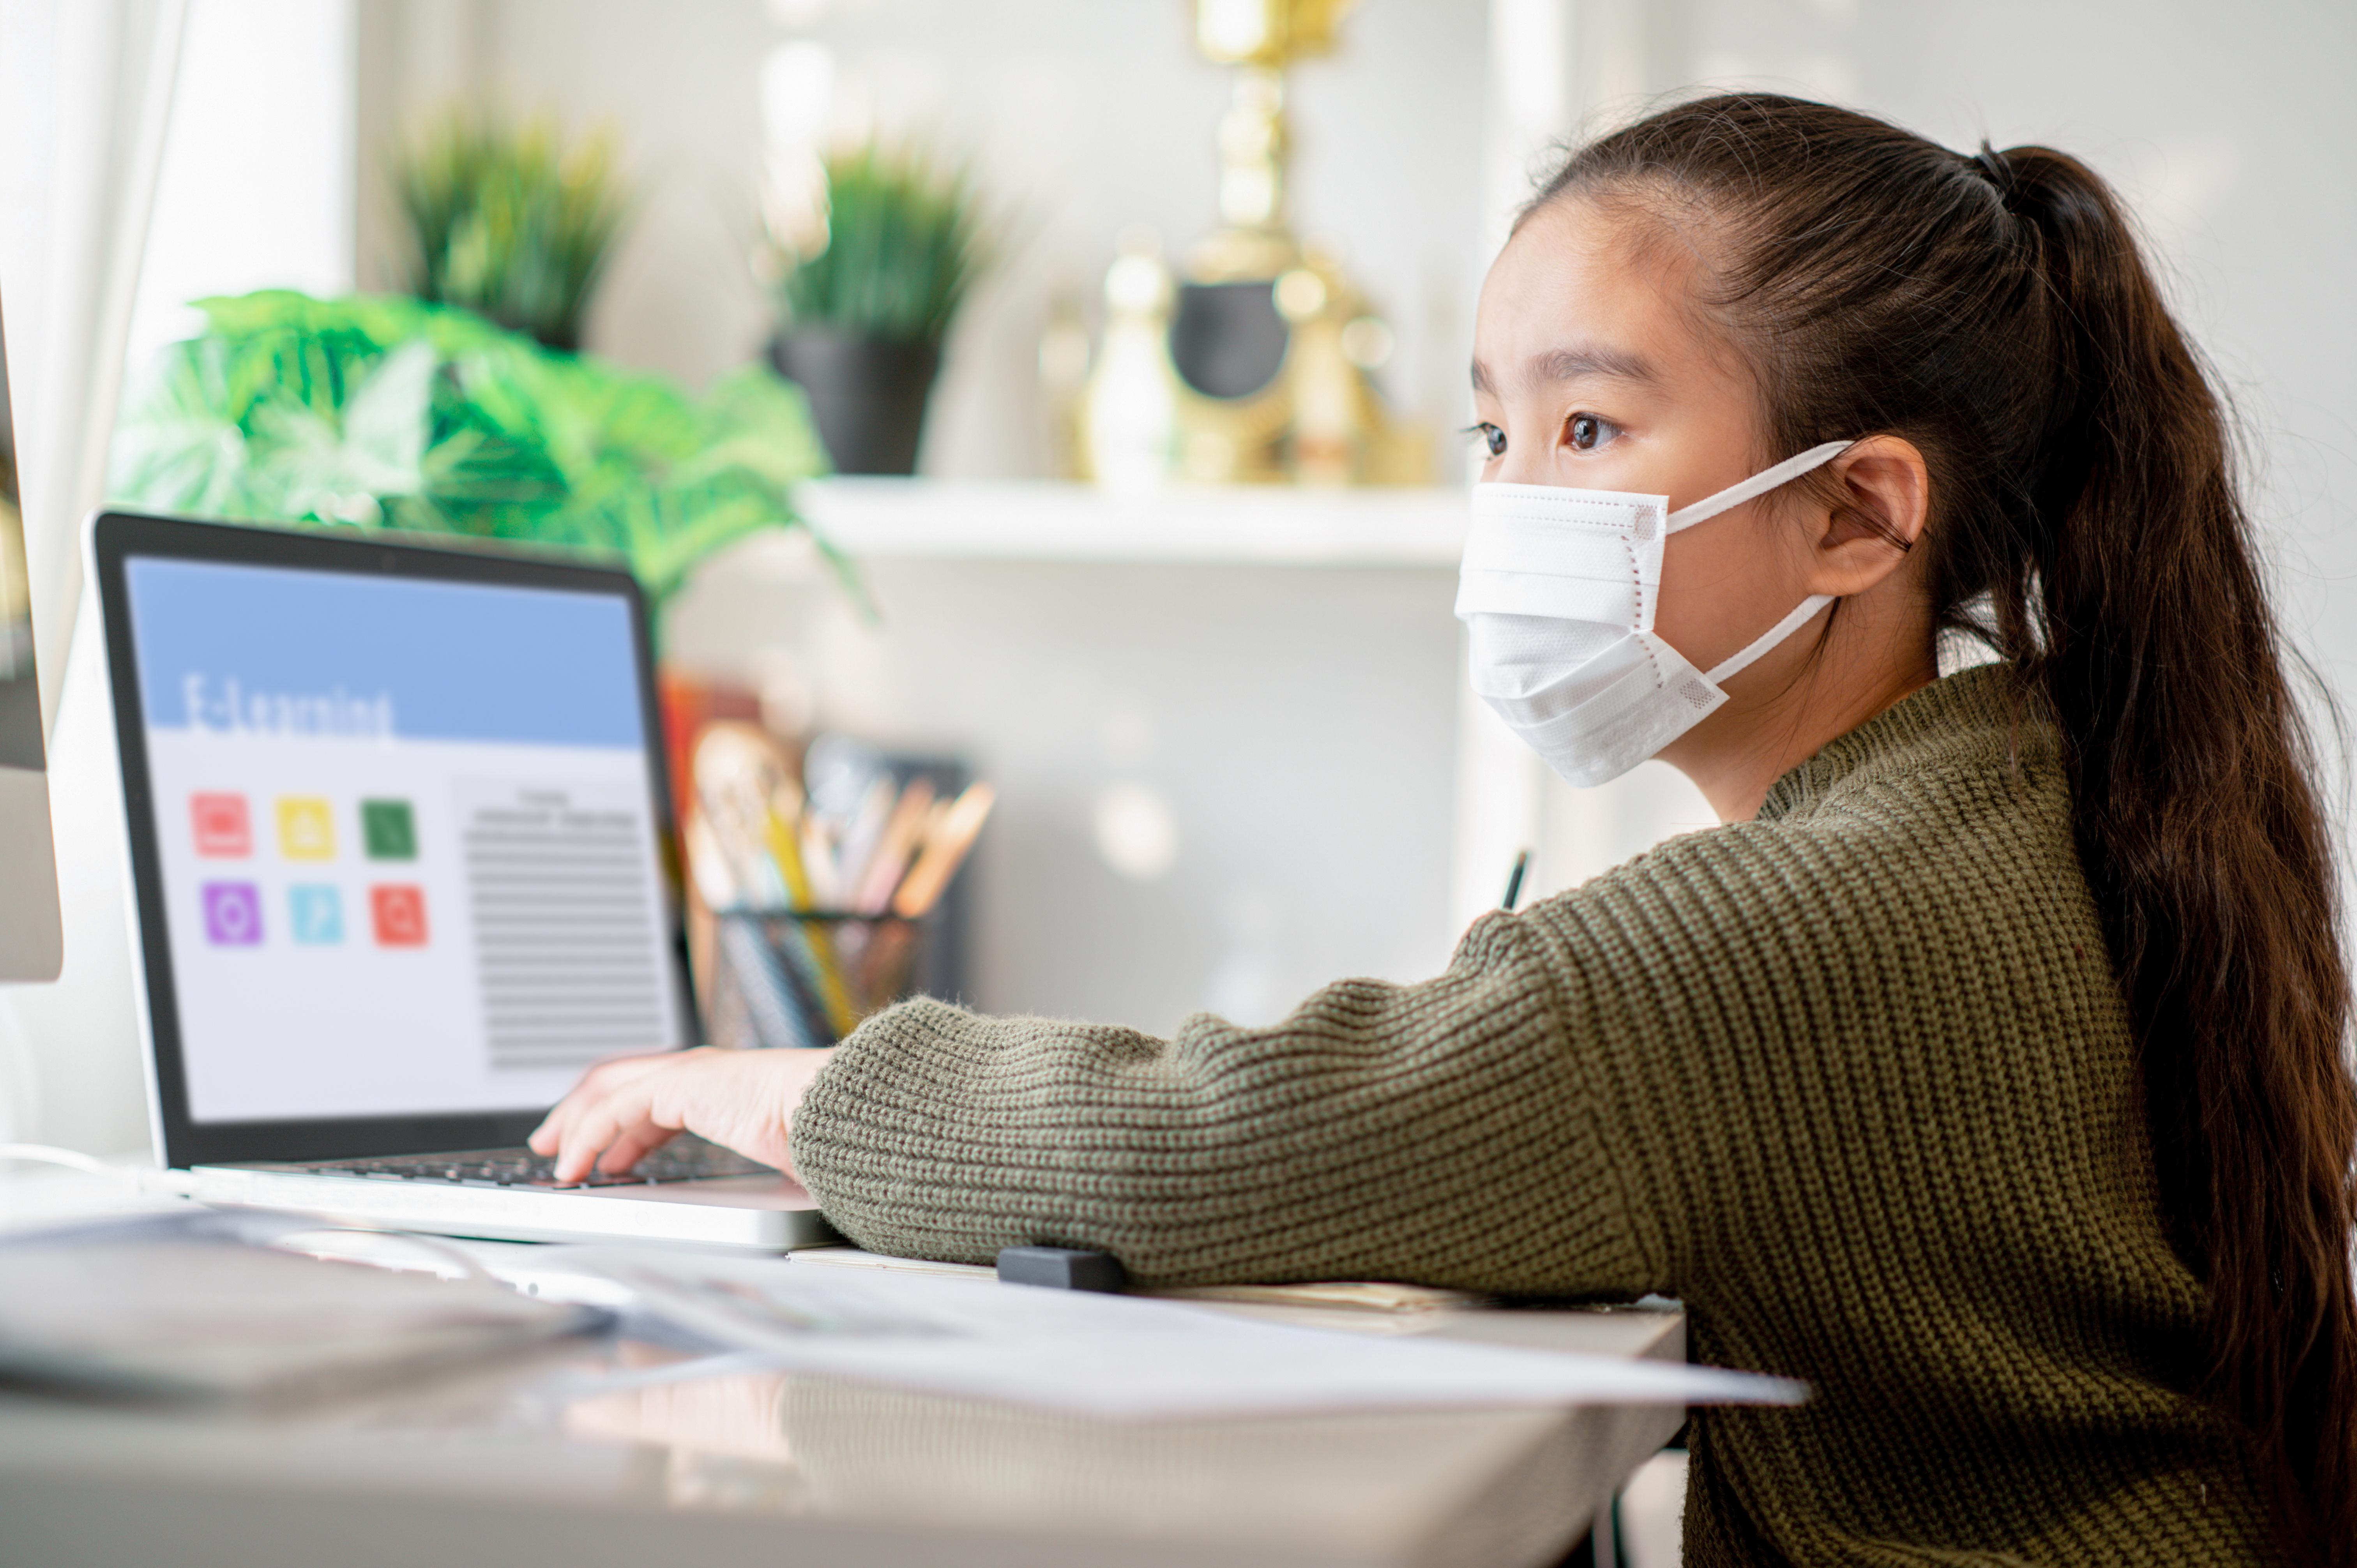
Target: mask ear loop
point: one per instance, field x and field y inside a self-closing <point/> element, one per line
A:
<point x="1759" y="484"/>
<point x="1734" y="662"/>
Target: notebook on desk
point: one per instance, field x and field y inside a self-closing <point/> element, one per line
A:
<point x="396" y="818"/>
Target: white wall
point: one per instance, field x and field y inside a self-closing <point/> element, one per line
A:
<point x="1294" y="722"/>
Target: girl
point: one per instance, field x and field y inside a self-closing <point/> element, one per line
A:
<point x="1988" y="1067"/>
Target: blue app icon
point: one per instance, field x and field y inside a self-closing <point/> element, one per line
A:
<point x="318" y="915"/>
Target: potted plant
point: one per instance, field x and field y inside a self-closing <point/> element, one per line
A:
<point x="386" y="412"/>
<point x="865" y="304"/>
<point x="508" y="224"/>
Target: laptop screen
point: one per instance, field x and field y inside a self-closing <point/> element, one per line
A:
<point x="407" y="835"/>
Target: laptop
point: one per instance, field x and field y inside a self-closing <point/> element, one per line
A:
<point x="397" y="823"/>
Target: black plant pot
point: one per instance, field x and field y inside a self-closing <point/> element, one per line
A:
<point x="867" y="394"/>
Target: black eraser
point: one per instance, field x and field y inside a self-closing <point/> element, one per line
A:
<point x="1061" y="1268"/>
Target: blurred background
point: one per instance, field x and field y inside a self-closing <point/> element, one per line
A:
<point x="1194" y="626"/>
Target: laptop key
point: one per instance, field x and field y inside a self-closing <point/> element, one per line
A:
<point x="687" y="1160"/>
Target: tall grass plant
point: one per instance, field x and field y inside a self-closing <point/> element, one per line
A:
<point x="507" y="223"/>
<point x="905" y="238"/>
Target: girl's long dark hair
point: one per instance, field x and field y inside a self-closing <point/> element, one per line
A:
<point x="1996" y="311"/>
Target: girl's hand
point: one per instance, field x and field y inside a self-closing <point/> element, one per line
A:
<point x="622" y="1108"/>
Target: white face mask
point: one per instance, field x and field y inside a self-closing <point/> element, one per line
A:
<point x="1559" y="588"/>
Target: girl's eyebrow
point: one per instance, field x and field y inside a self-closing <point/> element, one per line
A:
<point x="1571" y="364"/>
<point x="1587" y="359"/>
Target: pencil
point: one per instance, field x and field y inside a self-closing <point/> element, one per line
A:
<point x="1514" y="879"/>
<point x="945" y="849"/>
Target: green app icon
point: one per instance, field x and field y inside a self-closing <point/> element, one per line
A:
<point x="390" y="830"/>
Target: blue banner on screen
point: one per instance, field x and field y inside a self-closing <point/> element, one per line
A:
<point x="268" y="650"/>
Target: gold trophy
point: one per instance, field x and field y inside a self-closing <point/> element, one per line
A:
<point x="1253" y="366"/>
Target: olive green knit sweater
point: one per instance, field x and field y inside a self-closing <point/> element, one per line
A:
<point x="1854" y="1080"/>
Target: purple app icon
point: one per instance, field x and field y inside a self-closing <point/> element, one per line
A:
<point x="232" y="914"/>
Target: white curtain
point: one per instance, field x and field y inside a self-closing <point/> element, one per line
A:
<point x="85" y="92"/>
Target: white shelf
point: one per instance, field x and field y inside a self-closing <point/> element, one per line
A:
<point x="1266" y="525"/>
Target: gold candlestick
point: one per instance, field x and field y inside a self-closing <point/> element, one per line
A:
<point x="1260" y="39"/>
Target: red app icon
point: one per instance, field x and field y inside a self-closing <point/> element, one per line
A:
<point x="399" y="912"/>
<point x="222" y="827"/>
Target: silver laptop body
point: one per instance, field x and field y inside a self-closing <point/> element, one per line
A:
<point x="396" y="819"/>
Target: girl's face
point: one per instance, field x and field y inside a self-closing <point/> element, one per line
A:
<point x="1593" y="367"/>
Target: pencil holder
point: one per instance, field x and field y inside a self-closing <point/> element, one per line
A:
<point x="807" y="977"/>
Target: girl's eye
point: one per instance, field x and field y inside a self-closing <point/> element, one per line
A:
<point x="1492" y="438"/>
<point x="1586" y="432"/>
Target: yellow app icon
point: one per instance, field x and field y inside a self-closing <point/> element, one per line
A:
<point x="307" y="828"/>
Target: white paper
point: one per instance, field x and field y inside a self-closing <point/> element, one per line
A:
<point x="1124" y="1357"/>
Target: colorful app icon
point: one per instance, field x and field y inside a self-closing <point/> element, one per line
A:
<point x="222" y="826"/>
<point x="318" y="915"/>
<point x="390" y="830"/>
<point x="399" y="911"/>
<point x="307" y="828"/>
<point x="232" y="914"/>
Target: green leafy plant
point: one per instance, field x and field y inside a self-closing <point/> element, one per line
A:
<point x="509" y="225"/>
<point x="386" y="412"/>
<point x="906" y="238"/>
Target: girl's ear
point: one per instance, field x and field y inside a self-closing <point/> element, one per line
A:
<point x="1884" y="497"/>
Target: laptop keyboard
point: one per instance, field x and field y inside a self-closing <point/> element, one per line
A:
<point x="681" y="1159"/>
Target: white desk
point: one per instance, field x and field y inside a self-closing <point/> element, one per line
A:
<point x="626" y="1453"/>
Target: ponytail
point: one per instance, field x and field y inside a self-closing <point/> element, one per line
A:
<point x="2202" y="836"/>
<point x="1994" y="310"/>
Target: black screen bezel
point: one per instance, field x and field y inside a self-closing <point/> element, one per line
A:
<point x="117" y="538"/>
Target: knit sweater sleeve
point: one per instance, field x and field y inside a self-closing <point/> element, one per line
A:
<point x="1437" y="1132"/>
